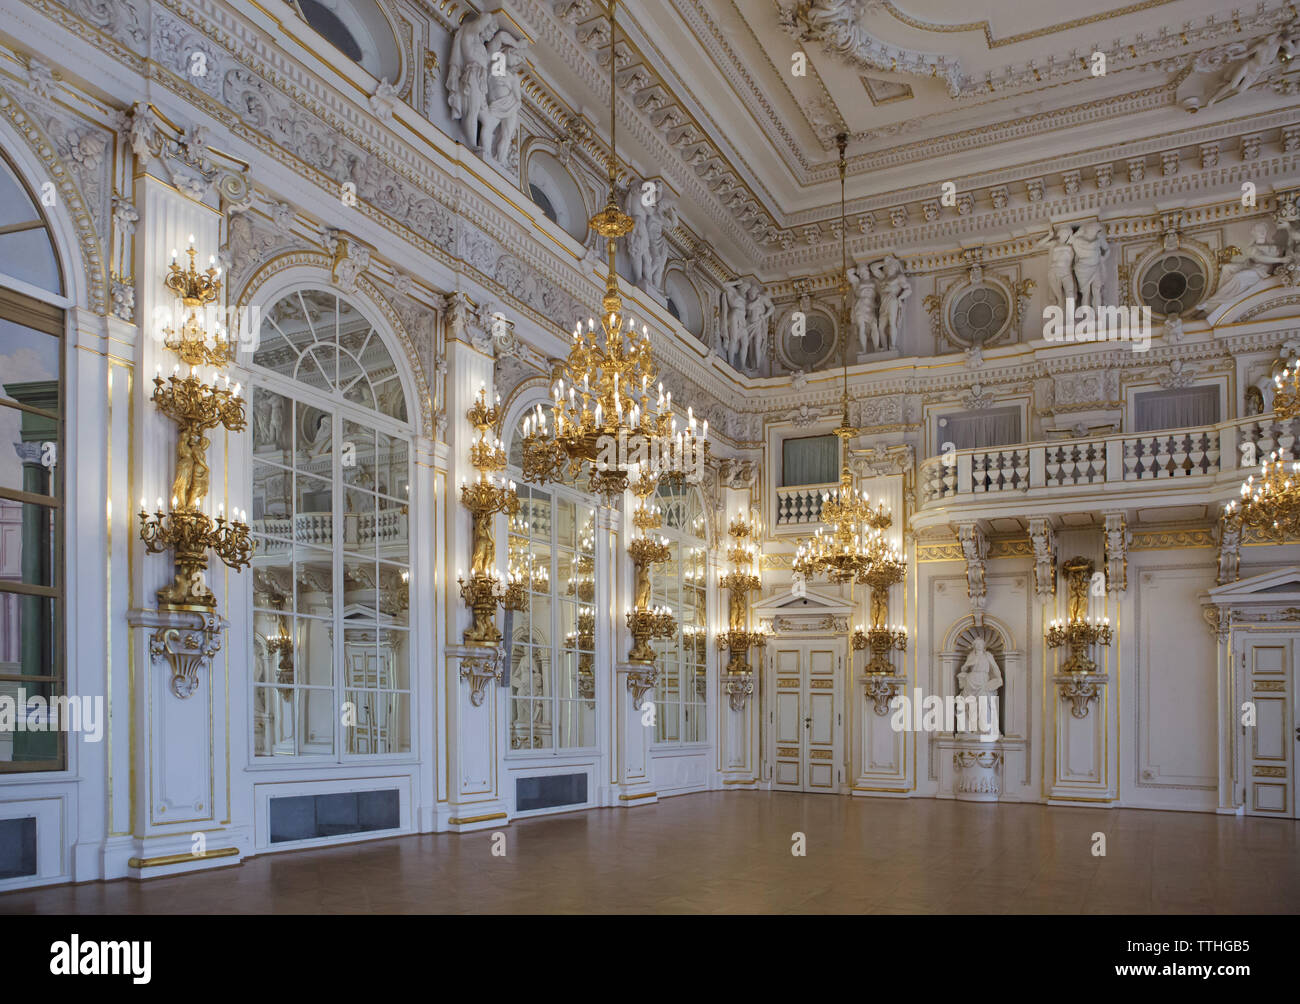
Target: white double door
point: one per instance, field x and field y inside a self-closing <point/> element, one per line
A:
<point x="805" y="717"/>
<point x="1271" y="679"/>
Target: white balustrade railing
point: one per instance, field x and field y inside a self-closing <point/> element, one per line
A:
<point x="1135" y="457"/>
<point x="800" y="505"/>
<point x="385" y="527"/>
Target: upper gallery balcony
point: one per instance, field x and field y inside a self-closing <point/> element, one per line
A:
<point x="1204" y="465"/>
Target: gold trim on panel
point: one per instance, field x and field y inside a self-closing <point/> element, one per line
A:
<point x="633" y="798"/>
<point x="1270" y="772"/>
<point x="477" y="819"/>
<point x="178" y="859"/>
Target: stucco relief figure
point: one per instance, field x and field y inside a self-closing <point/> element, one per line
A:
<point x="504" y="98"/>
<point x="1060" y="264"/>
<point x="637" y="243"/>
<point x="655" y="213"/>
<point x="467" y="78"/>
<point x="735" y="341"/>
<point x="894" y="291"/>
<point x="864" y="317"/>
<point x="979" y="675"/>
<point x="1090" y="250"/>
<point x="1260" y="58"/>
<point x="1246" y="270"/>
<point x="759" y="309"/>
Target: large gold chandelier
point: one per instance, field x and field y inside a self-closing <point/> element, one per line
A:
<point x="851" y="542"/>
<point x="1270" y="501"/>
<point x="608" y="410"/>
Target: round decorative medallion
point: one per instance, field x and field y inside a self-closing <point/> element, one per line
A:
<point x="980" y="314"/>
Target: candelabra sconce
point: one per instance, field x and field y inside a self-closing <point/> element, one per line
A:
<point x="742" y="580"/>
<point x="644" y="622"/>
<point x="583" y="640"/>
<point x="280" y="646"/>
<point x="880" y="641"/>
<point x="197" y="406"/>
<point x="1079" y="681"/>
<point x="1079" y="636"/>
<point x="646" y="625"/>
<point x="484" y="497"/>
<point x="190" y="535"/>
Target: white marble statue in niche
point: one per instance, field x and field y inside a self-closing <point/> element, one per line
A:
<point x="893" y="291"/>
<point x="483" y="85"/>
<point x="979" y="675"/>
<point x="654" y="210"/>
<point x="734" y="332"/>
<point x="864" y="318"/>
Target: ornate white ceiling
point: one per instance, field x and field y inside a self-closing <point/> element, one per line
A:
<point x="927" y="91"/>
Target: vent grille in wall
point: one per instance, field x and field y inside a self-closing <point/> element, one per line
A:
<point x="550" y="791"/>
<point x="17" y="847"/>
<point x="305" y="817"/>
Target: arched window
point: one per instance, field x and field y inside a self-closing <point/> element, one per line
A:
<point x="31" y="482"/>
<point x="331" y="573"/>
<point x="359" y="30"/>
<point x="679" y="584"/>
<point x="552" y="187"/>
<point x="553" y="643"/>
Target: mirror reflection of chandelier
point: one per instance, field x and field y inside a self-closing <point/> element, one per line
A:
<point x="606" y="398"/>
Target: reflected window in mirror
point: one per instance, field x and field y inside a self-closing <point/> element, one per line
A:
<point x="331" y="501"/>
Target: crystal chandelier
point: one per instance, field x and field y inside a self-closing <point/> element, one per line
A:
<point x="606" y="398"/>
<point x="847" y="545"/>
<point x="1270" y="501"/>
<point x="1286" y="393"/>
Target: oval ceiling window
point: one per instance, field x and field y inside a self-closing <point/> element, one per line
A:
<point x="815" y="347"/>
<point x="1172" y="284"/>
